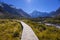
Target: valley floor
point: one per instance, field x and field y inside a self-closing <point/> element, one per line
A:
<point x="44" y="32"/>
<point x="26" y="30"/>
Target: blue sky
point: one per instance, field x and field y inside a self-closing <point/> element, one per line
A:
<point x="31" y="5"/>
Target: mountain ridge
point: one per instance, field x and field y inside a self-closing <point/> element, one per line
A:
<point x="13" y="12"/>
<point x="10" y="11"/>
<point x="36" y="14"/>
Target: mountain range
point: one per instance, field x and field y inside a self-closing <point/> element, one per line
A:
<point x="36" y="14"/>
<point x="9" y="11"/>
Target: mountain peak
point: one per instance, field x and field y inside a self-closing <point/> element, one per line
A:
<point x="36" y="13"/>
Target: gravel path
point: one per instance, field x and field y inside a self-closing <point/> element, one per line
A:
<point x="28" y="33"/>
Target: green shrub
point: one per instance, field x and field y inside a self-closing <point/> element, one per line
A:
<point x="16" y="34"/>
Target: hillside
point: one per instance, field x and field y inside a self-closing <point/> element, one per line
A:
<point x="7" y="11"/>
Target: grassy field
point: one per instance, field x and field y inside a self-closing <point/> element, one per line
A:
<point x="52" y="20"/>
<point x="10" y="30"/>
<point x="44" y="32"/>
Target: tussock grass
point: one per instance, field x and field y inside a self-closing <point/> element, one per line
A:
<point x="10" y="29"/>
<point x="44" y="32"/>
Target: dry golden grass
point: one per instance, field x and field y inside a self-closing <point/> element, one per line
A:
<point x="10" y="30"/>
<point x="44" y="32"/>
